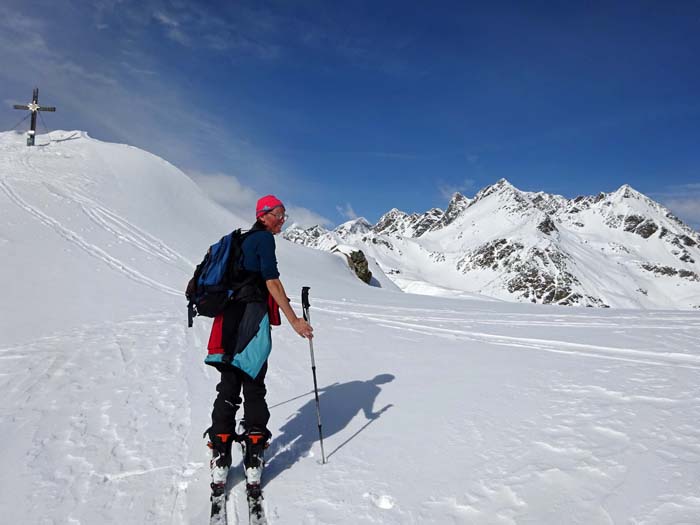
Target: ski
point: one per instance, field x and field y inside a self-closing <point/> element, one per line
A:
<point x="253" y="463"/>
<point x="220" y="462"/>
<point x="218" y="494"/>
<point x="256" y="511"/>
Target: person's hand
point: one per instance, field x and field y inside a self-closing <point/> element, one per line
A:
<point x="303" y="328"/>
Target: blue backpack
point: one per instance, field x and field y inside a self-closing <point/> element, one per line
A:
<point x="221" y="279"/>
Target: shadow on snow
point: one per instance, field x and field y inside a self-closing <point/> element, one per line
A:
<point x="340" y="403"/>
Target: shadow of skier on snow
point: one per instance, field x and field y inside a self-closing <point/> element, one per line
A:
<point x="340" y="403"/>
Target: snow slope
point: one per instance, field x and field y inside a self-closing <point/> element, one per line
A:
<point x="435" y="410"/>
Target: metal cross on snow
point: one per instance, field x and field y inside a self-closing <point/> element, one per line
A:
<point x="34" y="107"/>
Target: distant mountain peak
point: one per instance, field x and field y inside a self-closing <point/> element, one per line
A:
<point x="502" y="186"/>
<point x="358" y="225"/>
<point x="626" y="192"/>
<point x="358" y="222"/>
<point x="456" y="196"/>
<point x="457" y="205"/>
<point x="620" y="249"/>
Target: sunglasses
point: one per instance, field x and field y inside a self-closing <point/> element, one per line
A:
<point x="280" y="216"/>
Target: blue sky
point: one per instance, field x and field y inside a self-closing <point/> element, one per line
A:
<point x="348" y="109"/>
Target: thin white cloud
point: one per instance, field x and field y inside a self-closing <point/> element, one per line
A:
<point x="232" y="194"/>
<point x="174" y="29"/>
<point x="346" y="211"/>
<point x="81" y="73"/>
<point x="179" y="36"/>
<point x="22" y="32"/>
<point x="227" y="191"/>
<point x="687" y="208"/>
<point x="165" y="19"/>
<point x="306" y="218"/>
<point x="682" y="200"/>
<point x="134" y="70"/>
<point x="447" y="190"/>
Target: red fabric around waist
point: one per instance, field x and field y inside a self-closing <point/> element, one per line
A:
<point x="273" y="311"/>
<point x="215" y="346"/>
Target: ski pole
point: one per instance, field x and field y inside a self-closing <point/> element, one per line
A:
<point x="307" y="317"/>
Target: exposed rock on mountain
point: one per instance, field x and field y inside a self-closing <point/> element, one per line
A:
<point x="357" y="262"/>
<point x="617" y="249"/>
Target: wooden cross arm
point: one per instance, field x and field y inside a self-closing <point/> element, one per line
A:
<point x="46" y="108"/>
<point x="19" y="106"/>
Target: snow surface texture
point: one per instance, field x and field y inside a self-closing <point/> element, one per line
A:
<point x="435" y="410"/>
<point x="620" y="249"/>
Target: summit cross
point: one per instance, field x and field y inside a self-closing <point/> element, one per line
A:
<point x="34" y="107"/>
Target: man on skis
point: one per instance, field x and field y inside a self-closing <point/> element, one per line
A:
<point x="239" y="345"/>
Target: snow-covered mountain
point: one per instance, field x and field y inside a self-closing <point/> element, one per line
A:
<point x="619" y="249"/>
<point x="434" y="410"/>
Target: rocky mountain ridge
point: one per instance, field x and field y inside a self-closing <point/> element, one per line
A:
<point x="617" y="249"/>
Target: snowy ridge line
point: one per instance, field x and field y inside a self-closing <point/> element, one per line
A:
<point x="131" y="233"/>
<point x="91" y="249"/>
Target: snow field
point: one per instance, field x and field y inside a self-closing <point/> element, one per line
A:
<point x="435" y="409"/>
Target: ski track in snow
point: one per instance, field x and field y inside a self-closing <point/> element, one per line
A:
<point x="121" y="228"/>
<point x="91" y="249"/>
<point x="425" y="324"/>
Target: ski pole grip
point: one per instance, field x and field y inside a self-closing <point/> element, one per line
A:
<point x="305" y="300"/>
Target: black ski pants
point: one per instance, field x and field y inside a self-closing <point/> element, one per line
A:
<point x="255" y="411"/>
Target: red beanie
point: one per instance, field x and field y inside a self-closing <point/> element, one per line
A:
<point x="265" y="204"/>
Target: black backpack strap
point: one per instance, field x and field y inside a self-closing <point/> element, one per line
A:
<point x="190" y="313"/>
<point x="252" y="287"/>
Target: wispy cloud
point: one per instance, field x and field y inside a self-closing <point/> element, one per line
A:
<point x="256" y="30"/>
<point x="165" y="19"/>
<point x="229" y="192"/>
<point x="249" y="31"/>
<point x="447" y="190"/>
<point x="173" y="30"/>
<point x="345" y="210"/>
<point x="135" y="70"/>
<point x="306" y="218"/>
<point x="682" y="200"/>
